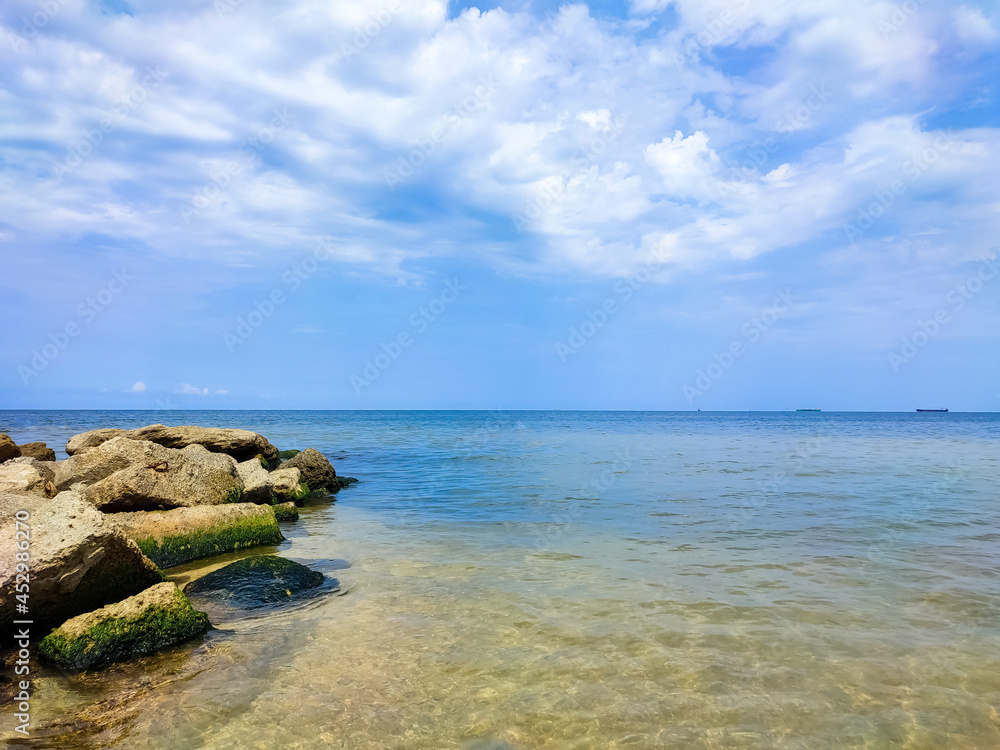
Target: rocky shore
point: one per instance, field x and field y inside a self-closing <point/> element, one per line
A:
<point x="127" y="504"/>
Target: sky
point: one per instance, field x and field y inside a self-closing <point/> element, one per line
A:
<point x="410" y="204"/>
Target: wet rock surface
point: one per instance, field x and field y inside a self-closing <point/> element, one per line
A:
<point x="255" y="582"/>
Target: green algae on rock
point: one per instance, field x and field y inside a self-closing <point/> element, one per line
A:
<point x="256" y="582"/>
<point x="153" y="619"/>
<point x="287" y="485"/>
<point x="173" y="537"/>
<point x="286" y="512"/>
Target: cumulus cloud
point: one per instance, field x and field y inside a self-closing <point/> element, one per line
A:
<point x="544" y="143"/>
<point x="138" y="387"/>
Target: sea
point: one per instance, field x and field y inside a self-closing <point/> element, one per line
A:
<point x="590" y="580"/>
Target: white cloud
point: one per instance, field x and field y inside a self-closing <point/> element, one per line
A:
<point x="190" y="390"/>
<point x="138" y="387"/>
<point x="599" y="138"/>
<point x="687" y="165"/>
<point x="972" y="25"/>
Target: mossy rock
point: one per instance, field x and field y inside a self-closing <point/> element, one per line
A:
<point x="286" y="512"/>
<point x="154" y="619"/>
<point x="256" y="582"/>
<point x="284" y="455"/>
<point x="174" y="537"/>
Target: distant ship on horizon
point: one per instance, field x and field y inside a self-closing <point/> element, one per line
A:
<point x="808" y="410"/>
<point x="937" y="410"/>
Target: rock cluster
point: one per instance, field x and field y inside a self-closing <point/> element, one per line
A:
<point x="127" y="503"/>
<point x="9" y="449"/>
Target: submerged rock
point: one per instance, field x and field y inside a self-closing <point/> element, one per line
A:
<point x="291" y="453"/>
<point x="78" y="560"/>
<point x="173" y="537"/>
<point x="8" y="448"/>
<point x="159" y="617"/>
<point x="240" y="444"/>
<point x="38" y="450"/>
<point x="124" y="474"/>
<point x="315" y="469"/>
<point x="256" y="582"/>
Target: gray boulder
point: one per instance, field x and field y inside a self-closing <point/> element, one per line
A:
<point x="92" y="439"/>
<point x="8" y="448"/>
<point x="16" y="476"/>
<point x="88" y="466"/>
<point x="240" y="444"/>
<point x="258" y="486"/>
<point x="181" y="479"/>
<point x="78" y="560"/>
<point x="47" y="469"/>
<point x="287" y="485"/>
<point x="315" y="469"/>
<point x="124" y="474"/>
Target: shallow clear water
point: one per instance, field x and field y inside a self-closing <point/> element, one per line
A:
<point x="595" y="580"/>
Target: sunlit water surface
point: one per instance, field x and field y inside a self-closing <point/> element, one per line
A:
<point x="594" y="580"/>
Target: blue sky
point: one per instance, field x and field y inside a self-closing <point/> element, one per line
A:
<point x="660" y="204"/>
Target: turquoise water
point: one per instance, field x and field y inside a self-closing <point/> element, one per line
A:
<point x="595" y="580"/>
